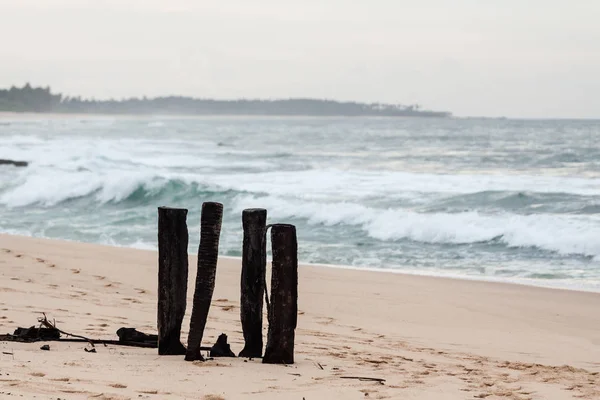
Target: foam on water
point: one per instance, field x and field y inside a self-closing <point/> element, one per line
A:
<point x="52" y="182"/>
<point x="564" y="234"/>
<point x="512" y="200"/>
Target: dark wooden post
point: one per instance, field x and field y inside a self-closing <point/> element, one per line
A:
<point x="208" y="252"/>
<point x="254" y="265"/>
<point x="172" y="278"/>
<point x="283" y="310"/>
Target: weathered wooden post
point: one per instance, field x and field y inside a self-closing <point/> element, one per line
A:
<point x="254" y="265"/>
<point x="283" y="310"/>
<point x="208" y="251"/>
<point x="172" y="278"/>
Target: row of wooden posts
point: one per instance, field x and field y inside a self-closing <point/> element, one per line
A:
<point x="282" y="310"/>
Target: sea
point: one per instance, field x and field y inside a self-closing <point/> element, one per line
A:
<point x="486" y="199"/>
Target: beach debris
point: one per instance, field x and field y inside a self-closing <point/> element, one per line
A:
<point x="208" y="251"/>
<point x="51" y="326"/>
<point x="45" y="347"/>
<point x="47" y="331"/>
<point x="254" y="265"/>
<point x="364" y="378"/>
<point x="283" y="310"/>
<point x="90" y="349"/>
<point x="318" y="364"/>
<point x="132" y="335"/>
<point x="14" y="163"/>
<point x="221" y="348"/>
<point x="172" y="278"/>
<point x="34" y="334"/>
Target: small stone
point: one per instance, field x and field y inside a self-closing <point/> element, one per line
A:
<point x="45" y="347"/>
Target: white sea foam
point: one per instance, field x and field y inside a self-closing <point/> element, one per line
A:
<point x="564" y="234"/>
<point x="91" y="164"/>
<point x="80" y="176"/>
<point x="49" y="188"/>
<point x="320" y="175"/>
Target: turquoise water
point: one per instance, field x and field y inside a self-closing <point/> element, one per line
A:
<point x="485" y="199"/>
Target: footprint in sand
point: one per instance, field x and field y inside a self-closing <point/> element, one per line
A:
<point x="108" y="396"/>
<point x="118" y="385"/>
<point x="326" y="320"/>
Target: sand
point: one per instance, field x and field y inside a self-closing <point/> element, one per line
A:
<point x="429" y="338"/>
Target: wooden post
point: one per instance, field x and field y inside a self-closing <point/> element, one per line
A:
<point x="254" y="265"/>
<point x="172" y="278"/>
<point x="283" y="310"/>
<point x="208" y="252"/>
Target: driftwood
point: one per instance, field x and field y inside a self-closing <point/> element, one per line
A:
<point x="48" y="332"/>
<point x="15" y="163"/>
<point x="254" y="264"/>
<point x="34" y="334"/>
<point x="283" y="310"/>
<point x="132" y="335"/>
<point x="52" y="326"/>
<point x="16" y="338"/>
<point x="221" y="348"/>
<point x="208" y="251"/>
<point x="364" y="378"/>
<point x="172" y="278"/>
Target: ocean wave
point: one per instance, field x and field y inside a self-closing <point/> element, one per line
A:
<point x="520" y="202"/>
<point x="107" y="180"/>
<point x="563" y="234"/>
<point x="319" y="182"/>
<point x="132" y="188"/>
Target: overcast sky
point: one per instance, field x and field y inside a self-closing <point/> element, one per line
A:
<point x="522" y="58"/>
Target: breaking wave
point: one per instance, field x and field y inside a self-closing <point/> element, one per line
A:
<point x="563" y="234"/>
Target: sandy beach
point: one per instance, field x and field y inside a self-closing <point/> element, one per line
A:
<point x="429" y="338"/>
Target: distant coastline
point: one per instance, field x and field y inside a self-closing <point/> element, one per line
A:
<point x="28" y="99"/>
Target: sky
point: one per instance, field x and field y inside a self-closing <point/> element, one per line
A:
<point x="526" y="58"/>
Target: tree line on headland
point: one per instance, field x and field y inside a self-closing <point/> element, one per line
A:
<point x="42" y="100"/>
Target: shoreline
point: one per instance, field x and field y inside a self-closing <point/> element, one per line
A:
<point x="429" y="338"/>
<point x="539" y="284"/>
